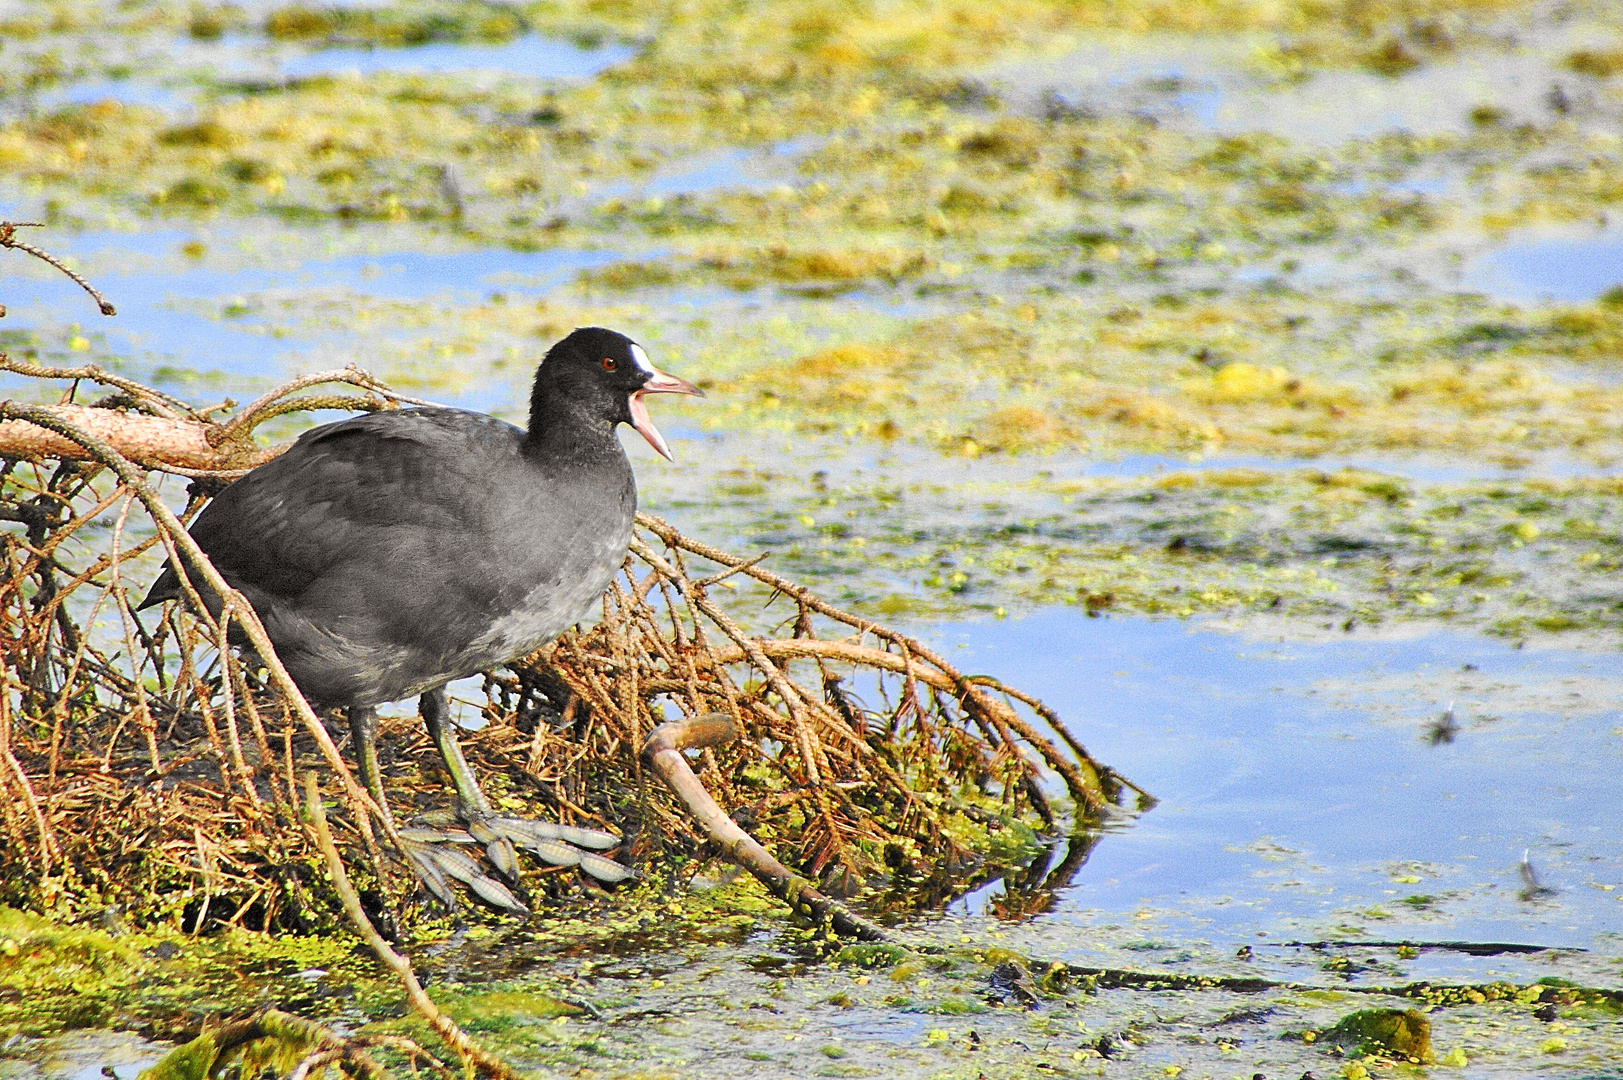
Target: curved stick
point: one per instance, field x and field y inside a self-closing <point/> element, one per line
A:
<point x="8" y="230"/>
<point x="664" y="748"/>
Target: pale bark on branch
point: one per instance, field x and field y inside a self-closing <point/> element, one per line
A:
<point x="152" y="442"/>
<point x="664" y="749"/>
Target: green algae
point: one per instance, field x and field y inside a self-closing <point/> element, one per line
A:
<point x="270" y="1039"/>
<point x="640" y="1003"/>
<point x="99" y="973"/>
<point x="920" y="191"/>
<point x="68" y="976"/>
<point x="1348" y="547"/>
<point x="1403" y="1034"/>
<point x="396" y="26"/>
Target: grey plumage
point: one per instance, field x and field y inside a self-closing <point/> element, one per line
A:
<point x="392" y="553"/>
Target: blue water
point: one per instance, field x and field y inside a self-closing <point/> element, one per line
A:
<point x="718" y="172"/>
<point x="1425" y="470"/>
<point x="1296" y="781"/>
<point x="174" y="316"/>
<point x="532" y="56"/>
<point x="1545" y="269"/>
<point x="124" y="91"/>
<point x="240" y="56"/>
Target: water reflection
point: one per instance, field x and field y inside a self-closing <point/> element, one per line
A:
<point x="1038" y="887"/>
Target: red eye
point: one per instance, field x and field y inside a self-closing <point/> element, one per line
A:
<point x="610" y="363"/>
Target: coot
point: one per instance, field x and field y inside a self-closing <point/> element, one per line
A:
<point x="394" y="552"/>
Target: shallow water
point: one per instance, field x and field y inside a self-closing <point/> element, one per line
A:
<point x="532" y="56"/>
<point x="1550" y="267"/>
<point x="179" y="317"/>
<point x="1302" y="798"/>
<point x="171" y="75"/>
<point x="1225" y="86"/>
<point x="124" y="91"/>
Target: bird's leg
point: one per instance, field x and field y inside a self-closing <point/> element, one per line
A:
<point x="560" y="845"/>
<point x="472" y="806"/>
<point x="363" y="730"/>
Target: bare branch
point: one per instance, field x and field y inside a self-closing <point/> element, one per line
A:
<point x="457" y="1039"/>
<point x="8" y="239"/>
<point x="664" y="748"/>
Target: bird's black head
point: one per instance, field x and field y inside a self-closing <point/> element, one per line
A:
<point x="596" y="378"/>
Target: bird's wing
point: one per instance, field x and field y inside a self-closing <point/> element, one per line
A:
<point x="339" y="490"/>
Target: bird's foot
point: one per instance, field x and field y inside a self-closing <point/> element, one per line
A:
<point x="430" y="836"/>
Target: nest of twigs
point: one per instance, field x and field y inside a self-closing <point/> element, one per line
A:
<point x="147" y="767"/>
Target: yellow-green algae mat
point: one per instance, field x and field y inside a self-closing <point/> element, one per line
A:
<point x="952" y="272"/>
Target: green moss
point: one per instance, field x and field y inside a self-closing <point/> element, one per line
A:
<point x="397" y="26"/>
<point x="194" y="1060"/>
<point x="206" y="133"/>
<point x="69" y="977"/>
<point x="1403" y="1034"/>
<point x="1596" y="63"/>
<point x="501" y="1010"/>
<point x="870" y="955"/>
<point x="194" y="192"/>
<point x="956" y="1006"/>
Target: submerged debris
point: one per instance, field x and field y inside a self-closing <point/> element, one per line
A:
<point x="289" y="1045"/>
<point x="1532" y="887"/>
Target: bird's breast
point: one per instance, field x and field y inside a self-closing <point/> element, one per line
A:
<point x="562" y="594"/>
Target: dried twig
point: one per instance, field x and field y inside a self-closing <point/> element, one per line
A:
<point x="8" y="239"/>
<point x="472" y="1054"/>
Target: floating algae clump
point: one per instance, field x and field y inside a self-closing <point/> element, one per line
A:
<point x="1387" y="1032"/>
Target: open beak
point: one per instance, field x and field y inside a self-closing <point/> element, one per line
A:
<point x="660" y="383"/>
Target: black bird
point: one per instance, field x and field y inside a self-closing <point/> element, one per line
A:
<point x="392" y="553"/>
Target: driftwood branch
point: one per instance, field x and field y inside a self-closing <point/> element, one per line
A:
<point x="179" y="440"/>
<point x="153" y="442"/>
<point x="664" y="748"/>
